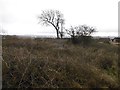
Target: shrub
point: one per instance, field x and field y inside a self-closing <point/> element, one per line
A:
<point x="106" y="63"/>
<point x="80" y="34"/>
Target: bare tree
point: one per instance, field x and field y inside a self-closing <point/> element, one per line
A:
<point x="71" y="32"/>
<point x="81" y="30"/>
<point x="54" y="18"/>
<point x="86" y="30"/>
<point x="81" y="33"/>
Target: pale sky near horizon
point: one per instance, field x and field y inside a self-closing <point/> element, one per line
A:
<point x="20" y="16"/>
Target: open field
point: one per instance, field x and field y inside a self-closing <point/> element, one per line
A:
<point x="57" y="63"/>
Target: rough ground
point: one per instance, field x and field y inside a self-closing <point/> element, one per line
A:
<point x="55" y="63"/>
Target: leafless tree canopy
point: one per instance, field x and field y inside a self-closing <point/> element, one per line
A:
<point x="54" y="18"/>
<point x="81" y="30"/>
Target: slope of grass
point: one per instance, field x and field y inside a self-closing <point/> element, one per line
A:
<point x="55" y="63"/>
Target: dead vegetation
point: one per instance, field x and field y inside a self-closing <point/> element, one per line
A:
<point x="57" y="63"/>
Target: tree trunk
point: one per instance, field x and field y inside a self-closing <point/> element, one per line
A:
<point x="57" y="34"/>
<point x="61" y="35"/>
<point x="57" y="31"/>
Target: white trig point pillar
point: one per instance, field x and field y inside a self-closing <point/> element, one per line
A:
<point x="0" y="61"/>
<point x="119" y="19"/>
<point x="118" y="34"/>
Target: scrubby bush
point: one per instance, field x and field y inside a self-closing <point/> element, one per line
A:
<point x="106" y="63"/>
<point x="80" y="34"/>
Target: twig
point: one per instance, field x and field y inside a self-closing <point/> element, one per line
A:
<point x="25" y="71"/>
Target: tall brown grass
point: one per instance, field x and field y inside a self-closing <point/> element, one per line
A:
<point x="55" y="63"/>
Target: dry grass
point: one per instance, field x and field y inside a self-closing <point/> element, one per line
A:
<point x="55" y="63"/>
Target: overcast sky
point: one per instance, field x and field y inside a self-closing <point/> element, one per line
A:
<point x="20" y="16"/>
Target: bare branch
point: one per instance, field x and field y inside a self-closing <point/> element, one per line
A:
<point x="81" y="30"/>
<point x="52" y="17"/>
